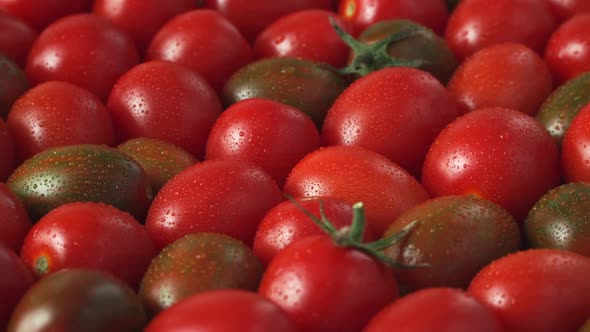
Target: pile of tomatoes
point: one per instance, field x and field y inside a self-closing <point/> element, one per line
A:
<point x="281" y="165"/>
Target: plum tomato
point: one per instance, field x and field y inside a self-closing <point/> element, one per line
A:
<point x="499" y="154"/>
<point x="166" y="101"/>
<point x="16" y="38"/>
<point x="435" y="309"/>
<point x="15" y="280"/>
<point x="14" y="220"/>
<point x="197" y="263"/>
<point x="396" y="112"/>
<point x="223" y="311"/>
<point x="500" y="76"/>
<point x="575" y="148"/>
<point x="206" y="42"/>
<point x="541" y="290"/>
<point x="7" y="153"/>
<point x="269" y="134"/>
<point x="55" y="114"/>
<point x="223" y="196"/>
<point x="564" y="9"/>
<point x="77" y="300"/>
<point x="82" y="172"/>
<point x="568" y="49"/>
<point x="475" y="24"/>
<point x="13" y="84"/>
<point x="40" y="13"/>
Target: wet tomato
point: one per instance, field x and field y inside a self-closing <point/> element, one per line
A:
<point x="568" y="49"/>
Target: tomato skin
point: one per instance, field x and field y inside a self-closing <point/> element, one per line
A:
<point x="499" y="154"/>
<point x="7" y="153"/>
<point x="13" y="84"/>
<point x="575" y="153"/>
<point x="40" y="13"/>
<point x="16" y="39"/>
<point x="500" y="76"/>
<point x="224" y="196"/>
<point x="204" y="41"/>
<point x="396" y="112"/>
<point x="564" y="9"/>
<point x="549" y="291"/>
<point x="435" y="309"/>
<point x="475" y="24"/>
<point x="269" y="134"/>
<point x="83" y="49"/>
<point x="208" y="311"/>
<point x="568" y="49"/>
<point x="15" y="222"/>
<point x="151" y="99"/>
<point x="15" y="280"/>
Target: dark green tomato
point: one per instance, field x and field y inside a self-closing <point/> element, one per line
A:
<point x="308" y="86"/>
<point x="160" y="160"/>
<point x="79" y="300"/>
<point x="82" y="172"/>
<point x="424" y="45"/>
<point x="13" y="83"/>
<point x="457" y="236"/>
<point x="196" y="263"/>
<point x="559" y="110"/>
<point x="561" y="219"/>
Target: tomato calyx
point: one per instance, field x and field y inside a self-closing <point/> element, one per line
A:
<point x="41" y="266"/>
<point x="372" y="57"/>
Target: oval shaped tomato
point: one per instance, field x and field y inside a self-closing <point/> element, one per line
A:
<point x="41" y="13"/>
<point x="498" y="154"/>
<point x="396" y="112"/>
<point x="56" y="114"/>
<point x="15" y="280"/>
<point x="83" y="49"/>
<point x="575" y="148"/>
<point x="16" y="38"/>
<point x="542" y="290"/>
<point x="13" y="84"/>
<point x="14" y="220"/>
<point x="568" y="49"/>
<point x="7" y="153"/>
<point x="564" y="9"/>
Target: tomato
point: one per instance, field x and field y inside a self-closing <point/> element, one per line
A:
<point x="56" y="114"/>
<point x="222" y="196"/>
<point x="396" y="112"/>
<point x="141" y="19"/>
<point x="568" y="49"/>
<point x="251" y="17"/>
<point x="7" y="153"/>
<point x="15" y="280"/>
<point x="457" y="236"/>
<point x="536" y="290"/>
<point x="13" y="84"/>
<point x="83" y="49"/>
<point x="40" y="13"/>
<point x="197" y="263"/>
<point x="14" y="221"/>
<point x="16" y="38"/>
<point x="204" y="41"/>
<point x="363" y="13"/>
<point x="475" y="24"/>
<point x="500" y="76"/>
<point x="564" y="9"/>
<point x="83" y="172"/>
<point x="272" y="135"/>
<point x="166" y="101"/>
<point x="160" y="160"/>
<point x="79" y="300"/>
<point x="308" y="86"/>
<point x="575" y="155"/>
<point x="249" y="312"/>
<point x="435" y="309"/>
<point x="305" y="34"/>
<point x="499" y="154"/>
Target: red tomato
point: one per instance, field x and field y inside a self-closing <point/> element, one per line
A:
<point x="40" y="13"/>
<point x="564" y="9"/>
<point x="7" y="154"/>
<point x="568" y="50"/>
<point x="56" y="114"/>
<point x="541" y="290"/>
<point x="223" y="311"/>
<point x="363" y="13"/>
<point x="141" y="19"/>
<point x="253" y="16"/>
<point x="84" y="49"/>
<point x="15" y="280"/>
<point x="204" y="41"/>
<point x="222" y="196"/>
<point x="16" y="38"/>
<point x="396" y="112"/>
<point x="475" y="24"/>
<point x="167" y="101"/>
<point x="435" y="309"/>
<point x="269" y="134"/>
<point x="500" y="76"/>
<point x="14" y="220"/>
<point x="498" y="154"/>
<point x="575" y="148"/>
<point x="89" y="235"/>
<point x="305" y="34"/>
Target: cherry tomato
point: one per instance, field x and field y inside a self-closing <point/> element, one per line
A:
<point x="269" y="134"/>
<point x="15" y="280"/>
<point x="575" y="154"/>
<point x="166" y="101"/>
<point x="40" y="13"/>
<point x="564" y="9"/>
<point x="13" y="84"/>
<point x="498" y="154"/>
<point x="204" y="41"/>
<point x="83" y="49"/>
<point x="568" y="49"/>
<point x="542" y="290"/>
<point x="7" y="153"/>
<point x="475" y="24"/>
<point x="16" y="38"/>
<point x="14" y="220"/>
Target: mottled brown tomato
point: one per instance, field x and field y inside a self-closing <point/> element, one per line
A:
<point x="16" y="38"/>
<point x="13" y="84"/>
